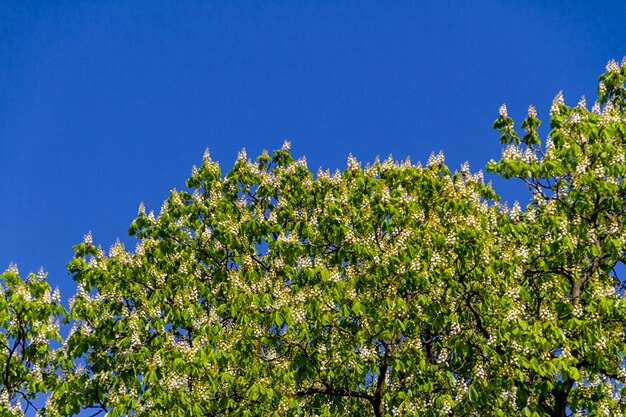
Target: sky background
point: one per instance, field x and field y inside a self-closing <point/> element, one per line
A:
<point x="107" y="104"/>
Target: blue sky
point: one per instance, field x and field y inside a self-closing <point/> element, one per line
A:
<point x="107" y="104"/>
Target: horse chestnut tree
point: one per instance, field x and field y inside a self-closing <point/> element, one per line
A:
<point x="390" y="289"/>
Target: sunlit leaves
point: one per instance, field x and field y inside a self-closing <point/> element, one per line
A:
<point x="29" y="327"/>
<point x="574" y="231"/>
<point x="271" y="288"/>
<point x="390" y="289"/>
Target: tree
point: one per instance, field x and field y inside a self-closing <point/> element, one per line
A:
<point x="571" y="297"/>
<point x="393" y="289"/>
<point x="269" y="291"/>
<point x="29" y="324"/>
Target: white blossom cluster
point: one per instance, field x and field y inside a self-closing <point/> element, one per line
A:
<point x="347" y="270"/>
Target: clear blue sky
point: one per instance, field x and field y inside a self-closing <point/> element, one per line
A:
<point x="106" y="104"/>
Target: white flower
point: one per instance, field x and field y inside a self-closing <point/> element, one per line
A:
<point x="515" y="212"/>
<point x="435" y="159"/>
<point x="455" y="328"/>
<point x="480" y="371"/>
<point x="503" y="112"/>
<point x="596" y="108"/>
<point x="612" y="66"/>
<point x="353" y="164"/>
<point x="301" y="162"/>
<point x="41" y="274"/>
<point x="446" y="408"/>
<point x="56" y="296"/>
<point x="4" y="397"/>
<point x="582" y="166"/>
<point x="558" y="101"/>
<point x="13" y="268"/>
<point x="578" y="311"/>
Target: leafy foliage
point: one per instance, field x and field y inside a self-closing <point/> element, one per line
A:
<point x="271" y="291"/>
<point x="572" y="301"/>
<point x="29" y="323"/>
<point x="393" y="289"/>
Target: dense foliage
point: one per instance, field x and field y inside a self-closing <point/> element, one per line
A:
<point x="29" y="320"/>
<point x="392" y="289"/>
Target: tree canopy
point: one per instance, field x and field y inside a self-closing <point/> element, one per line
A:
<point x="390" y="289"/>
